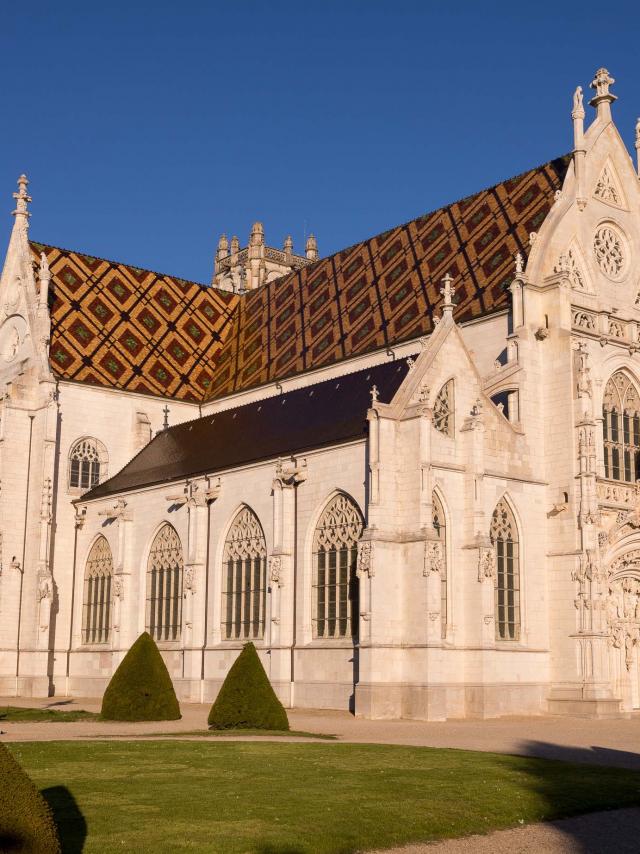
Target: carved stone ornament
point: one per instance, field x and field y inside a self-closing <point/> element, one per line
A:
<point x="486" y="563"/>
<point x="608" y="249"/>
<point x="433" y="557"/>
<point x="275" y="570"/>
<point x="365" y="559"/>
<point x="190" y="579"/>
<point x="118" y="588"/>
<point x="45" y="587"/>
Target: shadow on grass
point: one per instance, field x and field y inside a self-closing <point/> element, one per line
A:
<point x="275" y="848"/>
<point x="71" y="824"/>
<point x="598" y="833"/>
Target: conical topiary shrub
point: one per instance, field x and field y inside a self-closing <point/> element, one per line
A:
<point x="26" y="820"/>
<point x="246" y="699"/>
<point x="141" y="688"/>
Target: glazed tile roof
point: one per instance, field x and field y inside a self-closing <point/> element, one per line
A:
<point x="384" y="290"/>
<point x="122" y="327"/>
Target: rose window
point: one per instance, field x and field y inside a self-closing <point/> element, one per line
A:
<point x="607" y="246"/>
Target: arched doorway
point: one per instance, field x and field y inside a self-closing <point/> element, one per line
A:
<point x="623" y="620"/>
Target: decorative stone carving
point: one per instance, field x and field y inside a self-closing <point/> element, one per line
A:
<point x="118" y="588"/>
<point x="609" y="252"/>
<point x="606" y="189"/>
<point x="584" y="320"/>
<point x="45" y="587"/>
<point x="443" y="409"/>
<point x="433" y="557"/>
<point x="486" y="563"/>
<point x="190" y="579"/>
<point x="275" y="570"/>
<point x="365" y="559"/>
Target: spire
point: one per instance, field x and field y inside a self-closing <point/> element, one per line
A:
<point x="603" y="99"/>
<point x="579" y="151"/>
<point x="311" y="248"/>
<point x="638" y="144"/>
<point x="221" y="252"/>
<point x="22" y="198"/>
<point x="235" y="245"/>
<point x="257" y="234"/>
<point x="288" y="245"/>
<point x="447" y="290"/>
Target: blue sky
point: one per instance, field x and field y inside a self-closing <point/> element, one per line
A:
<point x="148" y="128"/>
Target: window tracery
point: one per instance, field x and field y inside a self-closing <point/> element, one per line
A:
<point x="165" y="569"/>
<point x="609" y="251"/>
<point x="96" y="606"/>
<point x="244" y="578"/>
<point x="87" y="463"/>
<point x="443" y="409"/>
<point x="621" y="429"/>
<point x="335" y="583"/>
<point x="504" y="537"/>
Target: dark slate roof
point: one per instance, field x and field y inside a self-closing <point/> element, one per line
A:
<point x="327" y="413"/>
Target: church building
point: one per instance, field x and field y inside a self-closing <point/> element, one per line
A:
<point x="408" y="472"/>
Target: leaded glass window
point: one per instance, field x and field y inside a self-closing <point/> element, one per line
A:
<point x="621" y="429"/>
<point x="504" y="537"/>
<point x="439" y="526"/>
<point x="443" y="409"/>
<point x="335" y="583"/>
<point x="165" y="569"/>
<point x="85" y="464"/>
<point x="96" y="605"/>
<point x="244" y="570"/>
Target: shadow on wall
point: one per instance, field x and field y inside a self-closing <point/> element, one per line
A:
<point x="71" y="824"/>
<point x="598" y="833"/>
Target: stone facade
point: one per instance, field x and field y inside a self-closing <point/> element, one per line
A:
<point x="494" y="536"/>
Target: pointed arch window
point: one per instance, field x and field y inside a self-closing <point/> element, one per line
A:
<point x="87" y="463"/>
<point x="96" y="604"/>
<point x="443" y="409"/>
<point x="244" y="591"/>
<point x="621" y="429"/>
<point x="439" y="526"/>
<point x="504" y="537"/>
<point x="165" y="569"/>
<point x="335" y="583"/>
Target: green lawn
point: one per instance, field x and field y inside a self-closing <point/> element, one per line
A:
<point x="280" y="798"/>
<point x="23" y="715"/>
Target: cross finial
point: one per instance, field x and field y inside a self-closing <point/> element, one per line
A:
<point x="22" y="200"/>
<point x="165" y="423"/>
<point x="374" y="394"/>
<point x="603" y="98"/>
<point x="448" y="291"/>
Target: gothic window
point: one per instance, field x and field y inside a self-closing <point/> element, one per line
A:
<point x="621" y="429"/>
<point x="165" y="569"/>
<point x="443" y="409"/>
<point x="96" y="607"/>
<point x="439" y="526"/>
<point x="244" y="592"/>
<point x="335" y="583"/>
<point x="504" y="537"/>
<point x="87" y="463"/>
<point x="609" y="251"/>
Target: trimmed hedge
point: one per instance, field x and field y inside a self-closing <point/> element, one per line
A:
<point x="141" y="688"/>
<point x="26" y="820"/>
<point x="246" y="699"/>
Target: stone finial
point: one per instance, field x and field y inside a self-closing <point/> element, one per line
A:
<point x="374" y="395"/>
<point x="638" y="143"/>
<point x="165" y="422"/>
<point x="288" y="245"/>
<point x="22" y="200"/>
<point x="223" y="246"/>
<point x="448" y="291"/>
<point x="519" y="262"/>
<point x="578" y="108"/>
<point x="44" y="276"/>
<point x="257" y="234"/>
<point x="603" y="98"/>
<point x="235" y="245"/>
<point x="311" y="248"/>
